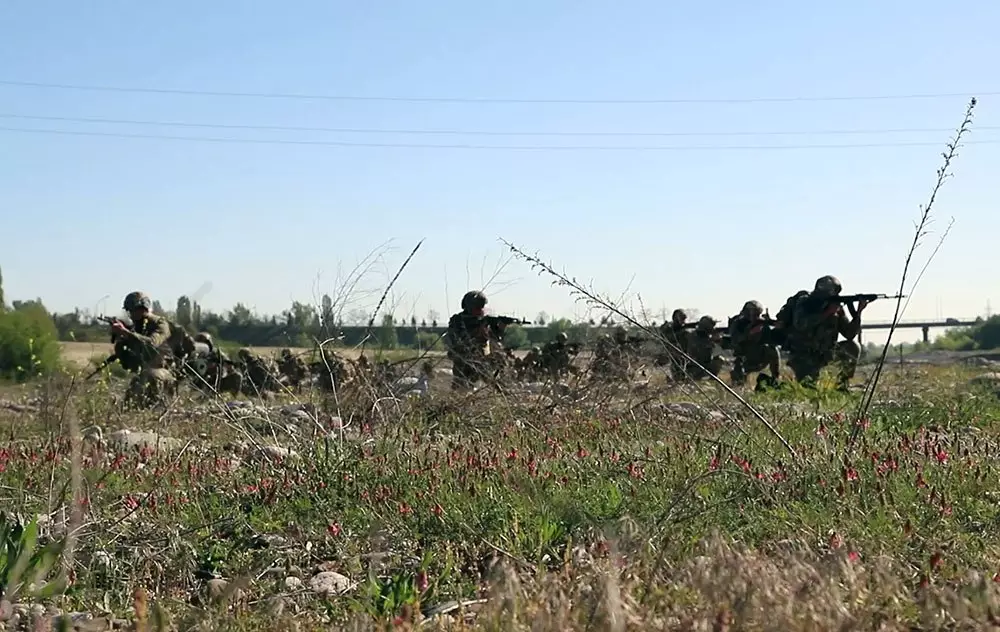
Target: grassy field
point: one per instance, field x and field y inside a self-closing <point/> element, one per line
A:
<point x="600" y="508"/>
<point x="82" y="353"/>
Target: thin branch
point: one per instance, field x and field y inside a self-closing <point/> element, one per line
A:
<point x="920" y="231"/>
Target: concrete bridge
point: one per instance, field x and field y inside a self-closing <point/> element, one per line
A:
<point x="924" y="325"/>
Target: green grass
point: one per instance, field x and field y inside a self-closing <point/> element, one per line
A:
<point x="616" y="510"/>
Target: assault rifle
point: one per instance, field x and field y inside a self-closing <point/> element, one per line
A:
<point x="496" y="321"/>
<point x="854" y="298"/>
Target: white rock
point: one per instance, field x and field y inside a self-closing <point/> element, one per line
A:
<point x="329" y="583"/>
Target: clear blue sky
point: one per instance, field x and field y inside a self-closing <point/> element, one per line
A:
<point x="83" y="217"/>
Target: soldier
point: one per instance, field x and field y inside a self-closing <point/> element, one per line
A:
<point x="468" y="342"/>
<point x="556" y="356"/>
<point x="611" y="354"/>
<point x="701" y="347"/>
<point x="257" y="372"/>
<point x="143" y="348"/>
<point x="333" y="372"/>
<point x="749" y="334"/>
<point x="527" y="367"/>
<point x="676" y="332"/>
<point x="817" y="320"/>
<point x="293" y="368"/>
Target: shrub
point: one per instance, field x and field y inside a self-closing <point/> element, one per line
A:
<point x="29" y="343"/>
<point x="428" y="340"/>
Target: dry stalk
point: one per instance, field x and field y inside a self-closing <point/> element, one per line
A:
<point x="919" y="233"/>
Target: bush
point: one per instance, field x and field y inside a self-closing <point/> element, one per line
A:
<point x="29" y="343"/>
<point x="428" y="340"/>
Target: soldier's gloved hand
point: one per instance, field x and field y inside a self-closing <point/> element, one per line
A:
<point x="861" y="306"/>
<point x="119" y="328"/>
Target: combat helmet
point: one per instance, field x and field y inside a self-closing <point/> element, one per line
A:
<point x="679" y="316"/>
<point x="620" y="334"/>
<point x="473" y="299"/>
<point x="203" y="337"/>
<point x="827" y="286"/>
<point x="562" y="336"/>
<point x="752" y="309"/>
<point x="136" y="300"/>
<point x="706" y="323"/>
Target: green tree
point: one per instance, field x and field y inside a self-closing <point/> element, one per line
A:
<point x="386" y="333"/>
<point x="3" y="304"/>
<point x="987" y="335"/>
<point x="29" y="342"/>
<point x="515" y="337"/>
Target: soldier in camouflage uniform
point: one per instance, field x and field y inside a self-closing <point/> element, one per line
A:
<point x="527" y="368"/>
<point x="752" y="347"/>
<point x="293" y="368"/>
<point x="144" y="348"/>
<point x="258" y="373"/>
<point x="701" y="347"/>
<point x="817" y="320"/>
<point x="677" y="333"/>
<point x="556" y="357"/>
<point x="333" y="372"/>
<point x="468" y="342"/>
<point x="611" y="355"/>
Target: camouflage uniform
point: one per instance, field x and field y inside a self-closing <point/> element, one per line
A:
<point x="812" y="344"/>
<point x="528" y="367"/>
<point x="333" y="372"/>
<point x="677" y="333"/>
<point x="145" y="350"/>
<point x="258" y="374"/>
<point x="293" y="368"/>
<point x="555" y="358"/>
<point x="701" y="347"/>
<point x="752" y="348"/>
<point x="611" y="355"/>
<point x="468" y="342"/>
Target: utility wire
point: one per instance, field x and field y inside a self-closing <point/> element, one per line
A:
<point x="206" y="139"/>
<point x="417" y="99"/>
<point x="455" y="132"/>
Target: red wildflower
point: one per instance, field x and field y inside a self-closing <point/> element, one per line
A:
<point x="333" y="529"/>
<point x="854" y="557"/>
<point x="936" y="560"/>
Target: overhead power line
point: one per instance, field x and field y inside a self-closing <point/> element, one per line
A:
<point x="455" y="132"/>
<point x="447" y="99"/>
<point x="321" y="143"/>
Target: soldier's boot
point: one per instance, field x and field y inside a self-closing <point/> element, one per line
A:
<point x="737" y="376"/>
<point x="765" y="382"/>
